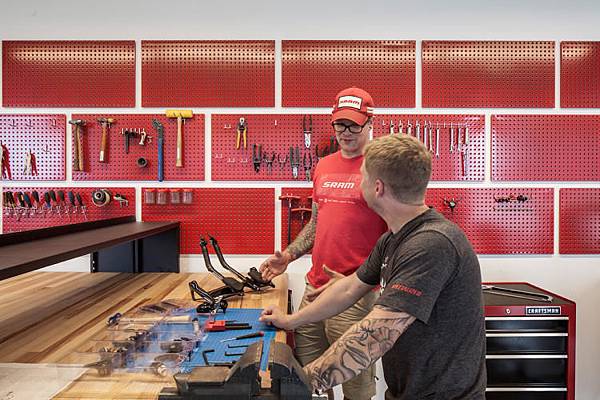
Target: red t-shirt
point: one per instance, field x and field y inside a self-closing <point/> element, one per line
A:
<point x="347" y="229"/>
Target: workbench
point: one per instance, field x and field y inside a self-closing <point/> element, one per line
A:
<point x="45" y="317"/>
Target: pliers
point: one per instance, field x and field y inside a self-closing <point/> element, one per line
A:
<point x="307" y="164"/>
<point x="5" y="161"/>
<point x="269" y="162"/>
<point x="242" y="129"/>
<point x="257" y="156"/>
<point x="295" y="160"/>
<point x="307" y="129"/>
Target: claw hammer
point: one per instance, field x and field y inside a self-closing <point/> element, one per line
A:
<point x="105" y="122"/>
<point x="180" y="115"/>
<point x="78" y="158"/>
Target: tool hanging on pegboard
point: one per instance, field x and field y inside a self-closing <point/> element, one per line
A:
<point x="105" y="123"/>
<point x="78" y="157"/>
<point x="242" y="131"/>
<point x="5" y="161"/>
<point x="181" y="116"/>
<point x="307" y="129"/>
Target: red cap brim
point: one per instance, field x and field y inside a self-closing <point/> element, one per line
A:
<point x="354" y="116"/>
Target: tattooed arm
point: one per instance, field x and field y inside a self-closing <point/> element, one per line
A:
<point x="278" y="262"/>
<point x="363" y="344"/>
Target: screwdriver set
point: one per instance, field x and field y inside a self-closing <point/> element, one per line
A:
<point x="28" y="208"/>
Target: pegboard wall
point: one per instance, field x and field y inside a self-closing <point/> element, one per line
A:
<point x="545" y="147"/>
<point x="241" y="219"/>
<point x="36" y="146"/>
<point x="122" y="166"/>
<point x="580" y="74"/>
<point x="57" y="212"/>
<point x="208" y="73"/>
<point x="498" y="221"/>
<point x="298" y="211"/>
<point x="276" y="133"/>
<point x="87" y="73"/>
<point x="492" y="74"/>
<point x="579" y="221"/>
<point x="314" y="71"/>
<point x="455" y="156"/>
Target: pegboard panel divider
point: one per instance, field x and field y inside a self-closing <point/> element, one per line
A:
<point x="314" y="71"/>
<point x="39" y="216"/>
<point x="241" y="219"/>
<point x="579" y="221"/>
<point x="41" y="134"/>
<point x="513" y="227"/>
<point x="545" y="147"/>
<point x="456" y="161"/>
<point x="122" y="166"/>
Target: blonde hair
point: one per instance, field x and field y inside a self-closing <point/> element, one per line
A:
<point x="402" y="163"/>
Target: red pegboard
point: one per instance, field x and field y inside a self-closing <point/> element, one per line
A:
<point x="545" y="148"/>
<point x="500" y="228"/>
<point x="580" y="74"/>
<point x="297" y="223"/>
<point x="276" y="133"/>
<point x="121" y="166"/>
<point x="241" y="219"/>
<point x="68" y="73"/>
<point x="449" y="165"/>
<point x="43" y="135"/>
<point x="314" y="71"/>
<point x="579" y="221"/>
<point x="43" y="218"/>
<point x="505" y="74"/>
<point x="213" y="73"/>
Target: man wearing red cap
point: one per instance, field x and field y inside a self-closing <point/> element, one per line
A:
<point x="341" y="233"/>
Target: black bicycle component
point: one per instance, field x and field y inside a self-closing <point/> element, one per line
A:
<point x="211" y="304"/>
<point x="232" y="286"/>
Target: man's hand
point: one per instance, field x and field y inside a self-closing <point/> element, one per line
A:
<point x="274" y="265"/>
<point x="274" y="316"/>
<point x="333" y="278"/>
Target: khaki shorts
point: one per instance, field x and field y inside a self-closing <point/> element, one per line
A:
<point x="313" y="340"/>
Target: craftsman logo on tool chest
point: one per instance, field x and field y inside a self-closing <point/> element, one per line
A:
<point x="350" y="101"/>
<point x="542" y="310"/>
<point x="338" y="185"/>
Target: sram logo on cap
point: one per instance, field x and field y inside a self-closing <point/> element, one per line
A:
<point x="350" y="101"/>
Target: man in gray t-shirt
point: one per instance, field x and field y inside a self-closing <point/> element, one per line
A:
<point x="428" y="323"/>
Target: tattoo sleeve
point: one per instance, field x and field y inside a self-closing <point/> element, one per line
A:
<point x="306" y="238"/>
<point x="363" y="344"/>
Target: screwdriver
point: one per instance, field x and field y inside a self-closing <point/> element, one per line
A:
<point x="36" y="196"/>
<point x="72" y="201"/>
<point x="248" y="336"/>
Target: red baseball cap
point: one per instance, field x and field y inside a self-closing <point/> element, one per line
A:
<point x="354" y="104"/>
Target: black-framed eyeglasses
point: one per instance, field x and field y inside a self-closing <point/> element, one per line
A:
<point x="354" y="128"/>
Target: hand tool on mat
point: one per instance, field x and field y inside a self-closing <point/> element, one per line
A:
<point x="78" y="144"/>
<point x="242" y="130"/>
<point x="290" y="204"/>
<point x="520" y="294"/>
<point x="160" y="134"/>
<point x="219" y="326"/>
<point x="181" y="115"/>
<point x="295" y="160"/>
<point x="307" y="129"/>
<point x="248" y="336"/>
<point x="105" y="123"/>
<point x="257" y="156"/>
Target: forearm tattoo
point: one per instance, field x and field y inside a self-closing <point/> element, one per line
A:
<point x="363" y="344"/>
<point x="306" y="238"/>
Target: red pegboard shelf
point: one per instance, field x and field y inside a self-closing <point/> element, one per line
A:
<point x="449" y="165"/>
<point x="500" y="228"/>
<point x="276" y="133"/>
<point x="17" y="220"/>
<point x="122" y="166"/>
<point x="314" y="71"/>
<point x="240" y="218"/>
<point x="44" y="136"/>
<point x="545" y="148"/>
<point x="68" y="73"/>
<point x="580" y="74"/>
<point x="212" y="73"/>
<point x="579" y="221"/>
<point x="297" y="221"/>
<point x="488" y="74"/>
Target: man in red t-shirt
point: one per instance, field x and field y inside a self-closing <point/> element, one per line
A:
<point x="342" y="232"/>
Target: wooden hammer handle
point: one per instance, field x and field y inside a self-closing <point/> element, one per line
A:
<point x="80" y="148"/>
<point x="103" y="144"/>
<point x="76" y="166"/>
<point x="179" y="162"/>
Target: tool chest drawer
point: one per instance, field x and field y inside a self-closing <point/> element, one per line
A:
<point x="530" y="372"/>
<point x="525" y="343"/>
<point x="525" y="395"/>
<point x="527" y="325"/>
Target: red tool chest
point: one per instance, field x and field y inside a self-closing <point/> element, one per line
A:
<point x="530" y="344"/>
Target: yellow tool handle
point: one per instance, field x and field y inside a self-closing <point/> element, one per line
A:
<point x="179" y="162"/>
<point x="237" y="140"/>
<point x="245" y="146"/>
<point x="76" y="155"/>
<point x="80" y="149"/>
<point x="103" y="144"/>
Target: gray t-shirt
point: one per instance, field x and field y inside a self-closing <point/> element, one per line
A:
<point x="429" y="270"/>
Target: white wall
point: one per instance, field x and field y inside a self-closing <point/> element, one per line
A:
<point x="577" y="278"/>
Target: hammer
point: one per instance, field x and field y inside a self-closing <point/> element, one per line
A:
<point x="78" y="159"/>
<point x="180" y="115"/>
<point x="105" y="122"/>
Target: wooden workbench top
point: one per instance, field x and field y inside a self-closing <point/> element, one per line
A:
<point x="46" y="316"/>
